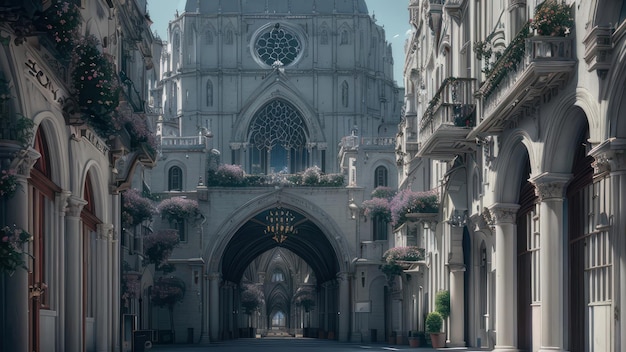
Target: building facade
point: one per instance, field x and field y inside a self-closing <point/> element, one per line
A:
<point x="514" y="110"/>
<point x="281" y="89"/>
<point x="67" y="70"/>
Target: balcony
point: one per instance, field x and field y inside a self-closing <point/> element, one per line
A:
<point x="528" y="69"/>
<point x="183" y="143"/>
<point x="448" y="120"/>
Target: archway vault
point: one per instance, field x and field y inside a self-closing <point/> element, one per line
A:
<point x="249" y="241"/>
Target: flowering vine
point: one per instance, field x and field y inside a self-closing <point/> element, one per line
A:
<point x="8" y="183"/>
<point x="11" y="252"/>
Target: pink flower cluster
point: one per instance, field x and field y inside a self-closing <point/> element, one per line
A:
<point x="11" y="253"/>
<point x="408" y="201"/>
<point x="136" y="208"/>
<point x="166" y="291"/>
<point x="178" y="208"/>
<point x="61" y="22"/>
<point x="158" y="246"/>
<point x="8" y="183"/>
<point x="377" y="207"/>
<point x="408" y="254"/>
<point x="552" y="17"/>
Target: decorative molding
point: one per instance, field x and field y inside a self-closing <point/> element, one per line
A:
<point x="105" y="231"/>
<point x="598" y="49"/>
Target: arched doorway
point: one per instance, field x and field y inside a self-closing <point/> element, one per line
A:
<point x="282" y="250"/>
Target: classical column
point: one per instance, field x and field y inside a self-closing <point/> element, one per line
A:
<point x="506" y="275"/>
<point x="344" y="306"/>
<point x="214" y="305"/>
<point x="17" y="292"/>
<point x="115" y="272"/>
<point x="73" y="275"/>
<point x="59" y="267"/>
<point x="550" y="189"/>
<point x="103" y="297"/>
<point x="456" y="266"/>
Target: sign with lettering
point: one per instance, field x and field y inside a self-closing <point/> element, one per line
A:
<point x="46" y="82"/>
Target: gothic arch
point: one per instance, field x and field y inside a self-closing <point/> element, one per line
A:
<point x="267" y="93"/>
<point x="226" y="231"/>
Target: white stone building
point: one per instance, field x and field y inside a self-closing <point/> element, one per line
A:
<point x="523" y="133"/>
<point x="62" y="292"/>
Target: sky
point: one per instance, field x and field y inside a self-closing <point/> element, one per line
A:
<point x="391" y="14"/>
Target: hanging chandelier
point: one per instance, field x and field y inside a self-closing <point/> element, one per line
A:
<point x="279" y="224"/>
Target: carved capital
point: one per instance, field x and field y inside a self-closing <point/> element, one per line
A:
<point x="75" y="206"/>
<point x="550" y="186"/>
<point x="24" y="161"/>
<point x="609" y="156"/>
<point x="62" y="198"/>
<point x="503" y="213"/>
<point x="105" y="231"/>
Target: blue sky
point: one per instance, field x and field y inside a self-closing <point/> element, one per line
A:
<point x="391" y="14"/>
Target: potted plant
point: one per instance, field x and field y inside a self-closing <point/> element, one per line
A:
<point x="434" y="322"/>
<point x="442" y="303"/>
<point x="552" y="18"/>
<point x="416" y="338"/>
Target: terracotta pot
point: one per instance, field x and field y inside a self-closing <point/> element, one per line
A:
<point x="438" y="340"/>
<point x="414" y="341"/>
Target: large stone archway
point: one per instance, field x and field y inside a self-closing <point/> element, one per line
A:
<point x="245" y="241"/>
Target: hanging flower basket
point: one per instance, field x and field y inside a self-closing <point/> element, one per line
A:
<point x="178" y="208"/>
<point x="96" y="85"/>
<point x="136" y="208"/>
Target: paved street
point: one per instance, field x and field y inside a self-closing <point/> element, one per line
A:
<point x="287" y="344"/>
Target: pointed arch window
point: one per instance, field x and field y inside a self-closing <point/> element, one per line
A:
<point x="279" y="136"/>
<point x="345" y="37"/>
<point x="381" y="177"/>
<point x="324" y="37"/>
<point x="229" y="39"/>
<point x="208" y="37"/>
<point x="175" y="179"/>
<point x="176" y="42"/>
<point x="344" y="94"/>
<point x="209" y="93"/>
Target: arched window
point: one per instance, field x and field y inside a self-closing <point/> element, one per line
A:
<point x="209" y="93"/>
<point x="345" y="37"/>
<point x="208" y="37"/>
<point x="344" y="94"/>
<point x="278" y="320"/>
<point x="324" y="37"/>
<point x="229" y="37"/>
<point x="176" y="42"/>
<point x="381" y="177"/>
<point x="380" y="228"/>
<point x="278" y="276"/>
<point x="175" y="179"/>
<point x="279" y="139"/>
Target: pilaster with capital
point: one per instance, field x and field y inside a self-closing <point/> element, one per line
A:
<point x="103" y="284"/>
<point x="73" y="275"/>
<point x="344" y="306"/>
<point x="504" y="217"/>
<point x="550" y="189"/>
<point x="16" y="299"/>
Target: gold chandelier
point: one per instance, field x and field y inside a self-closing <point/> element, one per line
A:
<point x="279" y="224"/>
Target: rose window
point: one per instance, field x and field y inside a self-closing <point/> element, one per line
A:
<point x="277" y="45"/>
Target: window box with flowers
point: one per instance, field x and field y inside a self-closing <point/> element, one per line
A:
<point x="397" y="259"/>
<point x="12" y="241"/>
<point x="96" y="85"/>
<point x="178" y="208"/>
<point x="408" y="202"/>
